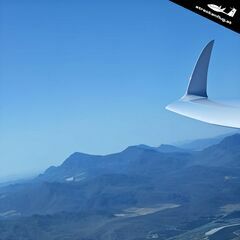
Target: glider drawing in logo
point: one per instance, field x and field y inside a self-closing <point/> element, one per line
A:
<point x="216" y="8"/>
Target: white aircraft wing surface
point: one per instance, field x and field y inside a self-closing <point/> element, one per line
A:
<point x="196" y="104"/>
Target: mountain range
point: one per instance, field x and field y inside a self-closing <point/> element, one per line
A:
<point x="143" y="192"/>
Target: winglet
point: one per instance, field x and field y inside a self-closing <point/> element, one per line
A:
<point x="198" y="81"/>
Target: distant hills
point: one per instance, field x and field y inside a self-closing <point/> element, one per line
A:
<point x="140" y="193"/>
<point x="200" y="144"/>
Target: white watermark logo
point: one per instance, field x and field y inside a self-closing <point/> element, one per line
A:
<point x="219" y="9"/>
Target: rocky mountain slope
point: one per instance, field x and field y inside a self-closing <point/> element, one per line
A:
<point x="139" y="193"/>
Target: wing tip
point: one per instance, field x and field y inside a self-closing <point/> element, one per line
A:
<point x="197" y="87"/>
<point x="198" y="81"/>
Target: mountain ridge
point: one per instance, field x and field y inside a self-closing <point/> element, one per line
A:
<point x="125" y="190"/>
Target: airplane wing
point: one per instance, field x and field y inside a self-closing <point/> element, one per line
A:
<point x="196" y="104"/>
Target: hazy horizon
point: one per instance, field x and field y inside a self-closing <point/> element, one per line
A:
<point x="31" y="174"/>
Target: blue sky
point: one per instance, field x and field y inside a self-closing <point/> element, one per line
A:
<point x="94" y="76"/>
